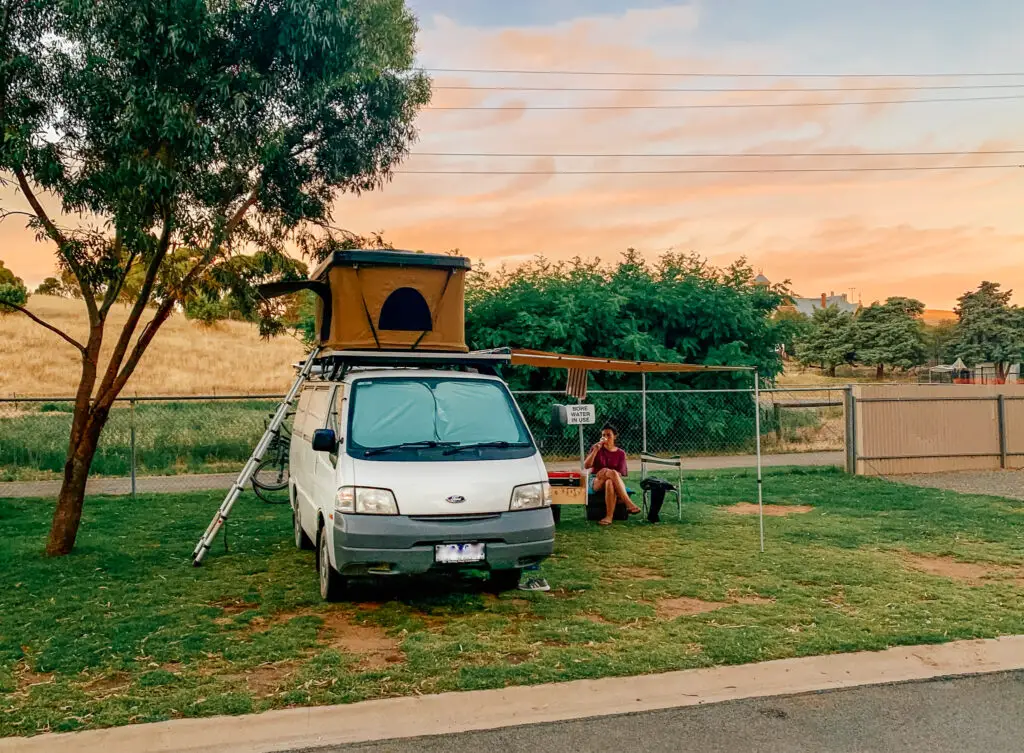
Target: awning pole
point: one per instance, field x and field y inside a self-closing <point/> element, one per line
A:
<point x="757" y="442"/>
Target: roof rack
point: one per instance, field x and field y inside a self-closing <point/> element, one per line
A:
<point x="333" y="365"/>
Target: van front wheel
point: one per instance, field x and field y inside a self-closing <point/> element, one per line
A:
<point x="332" y="584"/>
<point x="505" y="580"/>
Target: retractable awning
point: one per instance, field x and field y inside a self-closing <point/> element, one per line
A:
<point x="543" y="359"/>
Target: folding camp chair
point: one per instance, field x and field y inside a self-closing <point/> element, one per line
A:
<point x="677" y="462"/>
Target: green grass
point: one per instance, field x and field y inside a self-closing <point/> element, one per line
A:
<point x="125" y="630"/>
<point x="170" y="437"/>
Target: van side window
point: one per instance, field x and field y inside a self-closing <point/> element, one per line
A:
<point x="334" y="419"/>
<point x="300" y="425"/>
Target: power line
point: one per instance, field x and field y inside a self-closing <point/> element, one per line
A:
<point x="935" y="87"/>
<point x="913" y="168"/>
<point x="710" y="74"/>
<point x="723" y="106"/>
<point x="720" y="155"/>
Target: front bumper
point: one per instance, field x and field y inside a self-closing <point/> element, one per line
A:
<point x="404" y="545"/>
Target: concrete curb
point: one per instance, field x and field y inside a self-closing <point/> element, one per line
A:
<point x="446" y="713"/>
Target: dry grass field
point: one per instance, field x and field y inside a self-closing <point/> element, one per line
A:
<point x="185" y="359"/>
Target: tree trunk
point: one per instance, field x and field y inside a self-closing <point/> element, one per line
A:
<point x="832" y="370"/>
<point x="68" y="514"/>
<point x="880" y="372"/>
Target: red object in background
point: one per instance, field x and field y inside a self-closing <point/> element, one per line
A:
<point x="565" y="477"/>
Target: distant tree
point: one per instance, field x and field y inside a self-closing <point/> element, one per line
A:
<point x="990" y="329"/>
<point x="187" y="133"/>
<point x="51" y="286"/>
<point x="12" y="290"/>
<point x="679" y="309"/>
<point x="890" y="334"/>
<point x="829" y="342"/>
<point x="791" y="327"/>
<point x="940" y="341"/>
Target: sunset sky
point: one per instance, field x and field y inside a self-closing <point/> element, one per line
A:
<point x="926" y="234"/>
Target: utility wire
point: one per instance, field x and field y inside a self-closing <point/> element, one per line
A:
<point x="726" y="89"/>
<point x="723" y="106"/>
<point x="912" y="168"/>
<point x="710" y="74"/>
<point x="721" y="155"/>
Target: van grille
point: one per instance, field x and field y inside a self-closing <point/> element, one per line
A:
<point x="455" y="518"/>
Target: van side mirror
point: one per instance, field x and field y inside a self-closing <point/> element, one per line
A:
<point x="324" y="440"/>
<point x="559" y="415"/>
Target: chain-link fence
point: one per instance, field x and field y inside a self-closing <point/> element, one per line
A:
<point x="193" y="439"/>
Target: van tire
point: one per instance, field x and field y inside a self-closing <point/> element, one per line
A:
<point x="332" y="584"/>
<point x="505" y="580"/>
<point x="301" y="539"/>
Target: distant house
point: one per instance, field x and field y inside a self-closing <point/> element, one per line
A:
<point x="807" y="306"/>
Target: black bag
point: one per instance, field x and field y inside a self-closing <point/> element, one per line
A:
<point x="657" y="489"/>
<point x="597" y="509"/>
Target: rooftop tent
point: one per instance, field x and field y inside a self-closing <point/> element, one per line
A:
<point x="387" y="300"/>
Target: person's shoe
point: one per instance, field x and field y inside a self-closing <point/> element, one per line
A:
<point x="534" y="584"/>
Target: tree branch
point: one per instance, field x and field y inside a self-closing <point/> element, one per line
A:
<point x="114" y="288"/>
<point x="117" y="357"/>
<point x="47" y="325"/>
<point x="62" y="242"/>
<point x="148" y="333"/>
<point x="237" y="217"/>
<point x="51" y="229"/>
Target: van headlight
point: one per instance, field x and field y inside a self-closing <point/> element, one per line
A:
<point x="366" y="501"/>
<point x="531" y="496"/>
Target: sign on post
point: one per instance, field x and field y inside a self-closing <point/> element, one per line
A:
<point x="573" y="415"/>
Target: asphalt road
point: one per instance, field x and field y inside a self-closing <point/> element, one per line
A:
<point x="974" y="714"/>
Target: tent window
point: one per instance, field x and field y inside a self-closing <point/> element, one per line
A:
<point x="406" y="310"/>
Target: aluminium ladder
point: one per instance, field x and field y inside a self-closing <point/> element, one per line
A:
<point x="273" y="429"/>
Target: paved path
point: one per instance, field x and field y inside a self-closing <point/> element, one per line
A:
<point x="544" y="712"/>
<point x="222" y="481"/>
<point x="979" y="714"/>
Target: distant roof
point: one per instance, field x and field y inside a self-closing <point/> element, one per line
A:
<point x="762" y="280"/>
<point x="808" y="306"/>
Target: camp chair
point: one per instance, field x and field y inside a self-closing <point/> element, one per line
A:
<point x="647" y="459"/>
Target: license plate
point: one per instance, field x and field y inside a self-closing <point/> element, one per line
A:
<point x="458" y="553"/>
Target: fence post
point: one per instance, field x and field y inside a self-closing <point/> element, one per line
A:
<point x="1001" y="413"/>
<point x="851" y="429"/>
<point x="131" y="405"/>
<point x="777" y="411"/>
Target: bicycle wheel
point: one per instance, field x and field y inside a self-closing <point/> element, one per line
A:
<point x="271" y="475"/>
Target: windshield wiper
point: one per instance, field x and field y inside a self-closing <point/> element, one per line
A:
<point x="501" y="444"/>
<point x="426" y="443"/>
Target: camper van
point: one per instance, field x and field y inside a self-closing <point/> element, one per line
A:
<point x="400" y="471"/>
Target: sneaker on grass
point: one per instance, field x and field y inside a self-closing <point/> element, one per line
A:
<point x="534" y="584"/>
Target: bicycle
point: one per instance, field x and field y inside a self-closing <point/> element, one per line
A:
<point x="271" y="475"/>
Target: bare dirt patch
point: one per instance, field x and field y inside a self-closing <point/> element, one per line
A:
<point x="971" y="573"/>
<point x="232" y="607"/>
<point x="265" y="679"/>
<point x="774" y="511"/>
<point x="108" y="684"/>
<point x="684" y="606"/>
<point x="25" y="679"/>
<point x="375" y="648"/>
<point x="632" y="573"/>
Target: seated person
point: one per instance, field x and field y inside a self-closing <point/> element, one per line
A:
<point x="607" y="463"/>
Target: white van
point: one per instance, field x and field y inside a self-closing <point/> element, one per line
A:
<point x="398" y="471"/>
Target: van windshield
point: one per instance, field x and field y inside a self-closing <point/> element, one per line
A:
<point x="408" y="418"/>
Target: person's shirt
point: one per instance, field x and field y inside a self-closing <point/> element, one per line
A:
<point x="614" y="459"/>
